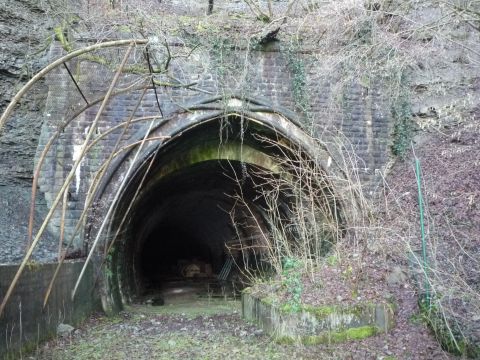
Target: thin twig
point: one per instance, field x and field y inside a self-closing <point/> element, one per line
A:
<point x="110" y="210"/>
<point x="75" y="82"/>
<point x="66" y="182"/>
<point x="62" y="223"/>
<point x="56" y="63"/>
<point x="150" y="69"/>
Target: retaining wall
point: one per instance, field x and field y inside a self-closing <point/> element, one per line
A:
<point x="314" y="325"/>
<point x="24" y="323"/>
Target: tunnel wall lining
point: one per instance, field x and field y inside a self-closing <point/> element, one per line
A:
<point x="179" y="123"/>
<point x="24" y="324"/>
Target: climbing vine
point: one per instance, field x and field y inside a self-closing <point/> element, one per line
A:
<point x="403" y="126"/>
<point x="301" y="98"/>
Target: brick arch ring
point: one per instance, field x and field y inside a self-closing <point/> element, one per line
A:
<point x="185" y="140"/>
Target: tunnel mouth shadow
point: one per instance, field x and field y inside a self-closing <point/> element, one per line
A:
<point x="185" y="244"/>
<point x="196" y="216"/>
<point x="182" y="243"/>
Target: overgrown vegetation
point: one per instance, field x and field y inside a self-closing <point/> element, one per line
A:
<point x="292" y="280"/>
<point x="403" y="125"/>
<point x="304" y="218"/>
<point x="299" y="84"/>
<point x="452" y="271"/>
<point x="367" y="49"/>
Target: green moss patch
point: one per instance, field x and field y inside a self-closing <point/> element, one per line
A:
<point x="321" y="312"/>
<point x="332" y="337"/>
<point x="322" y="324"/>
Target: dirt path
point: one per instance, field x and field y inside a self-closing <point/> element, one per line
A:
<point x="190" y="331"/>
<point x="197" y="330"/>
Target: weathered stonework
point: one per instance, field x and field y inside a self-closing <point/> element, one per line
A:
<point x="314" y="325"/>
<point x="267" y="76"/>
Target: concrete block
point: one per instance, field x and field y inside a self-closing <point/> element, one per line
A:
<point x="322" y="324"/>
<point x="25" y="322"/>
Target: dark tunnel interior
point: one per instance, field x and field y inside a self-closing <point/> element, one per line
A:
<point x="168" y="244"/>
<point x="189" y="226"/>
<point x="188" y="223"/>
<point x="187" y="220"/>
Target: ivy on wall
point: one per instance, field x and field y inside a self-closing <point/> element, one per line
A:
<point x="403" y="125"/>
<point x="301" y="97"/>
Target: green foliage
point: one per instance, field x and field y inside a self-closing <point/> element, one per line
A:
<point x="342" y="336"/>
<point x="321" y="312"/>
<point x="60" y="35"/>
<point x="364" y="32"/>
<point x="296" y="66"/>
<point x="403" y="127"/>
<point x="223" y="58"/>
<point x="292" y="281"/>
<point x="347" y="273"/>
<point x="32" y="265"/>
<point x="332" y="337"/>
<point x="332" y="260"/>
<point x="63" y="31"/>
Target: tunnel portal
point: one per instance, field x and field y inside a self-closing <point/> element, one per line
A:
<point x="193" y="212"/>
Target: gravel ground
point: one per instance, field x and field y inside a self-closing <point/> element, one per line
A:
<point x="217" y="331"/>
<point x="141" y="333"/>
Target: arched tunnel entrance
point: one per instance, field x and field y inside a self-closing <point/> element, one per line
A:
<point x="191" y="225"/>
<point x="192" y="216"/>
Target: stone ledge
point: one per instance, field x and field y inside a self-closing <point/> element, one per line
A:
<point x="318" y="325"/>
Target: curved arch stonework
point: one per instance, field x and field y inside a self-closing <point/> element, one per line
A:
<point x="195" y="114"/>
<point x="270" y="103"/>
<point x="204" y="112"/>
<point x="185" y="129"/>
<point x="182" y="127"/>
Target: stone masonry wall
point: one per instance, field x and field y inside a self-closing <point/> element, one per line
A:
<point x="364" y="119"/>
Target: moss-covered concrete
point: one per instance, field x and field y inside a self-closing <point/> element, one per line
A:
<point x="213" y="151"/>
<point x="318" y="324"/>
<point x="332" y="336"/>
